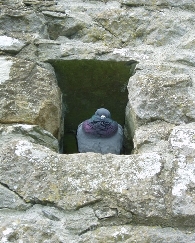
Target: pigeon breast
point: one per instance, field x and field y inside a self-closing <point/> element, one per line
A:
<point x="100" y="127"/>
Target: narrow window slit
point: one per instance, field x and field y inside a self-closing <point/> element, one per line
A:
<point x="87" y="85"/>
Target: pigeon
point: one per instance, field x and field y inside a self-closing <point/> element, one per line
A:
<point x="100" y="134"/>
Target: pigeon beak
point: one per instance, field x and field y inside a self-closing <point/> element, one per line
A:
<point x="102" y="116"/>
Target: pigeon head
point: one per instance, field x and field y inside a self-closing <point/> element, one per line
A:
<point x="103" y="113"/>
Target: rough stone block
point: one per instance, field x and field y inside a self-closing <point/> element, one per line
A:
<point x="30" y="95"/>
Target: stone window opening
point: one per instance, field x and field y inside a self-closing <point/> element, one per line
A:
<point x="87" y="85"/>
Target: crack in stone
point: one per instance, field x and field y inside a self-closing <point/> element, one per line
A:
<point x="50" y="215"/>
<point x="92" y="202"/>
<point x="35" y="201"/>
<point x="6" y="186"/>
<point x="106" y="29"/>
<point x="32" y="202"/>
<point x="90" y="228"/>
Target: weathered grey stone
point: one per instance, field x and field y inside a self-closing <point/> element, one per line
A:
<point x="10" y="44"/>
<point x="5" y="66"/>
<point x="42" y="3"/>
<point x="120" y="185"/>
<point x="10" y="200"/>
<point x="138" y="234"/>
<point x="113" y="185"/>
<point x="188" y="42"/>
<point x="183" y="57"/>
<point x="182" y="139"/>
<point x="18" y="3"/>
<point x="152" y="137"/>
<point x="33" y="133"/>
<point x="33" y="226"/>
<point x="183" y="145"/>
<point x="44" y="45"/>
<point x="64" y="49"/>
<point x="61" y="24"/>
<point x="30" y="95"/>
<point x="187" y="4"/>
<point x="118" y="26"/>
<point x="156" y="93"/>
<point x="32" y="49"/>
<point x="23" y="23"/>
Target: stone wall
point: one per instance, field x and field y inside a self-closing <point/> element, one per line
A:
<point x="148" y="196"/>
